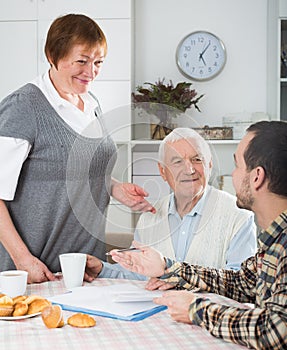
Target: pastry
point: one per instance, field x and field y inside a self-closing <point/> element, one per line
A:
<point x="20" y="309"/>
<point x="19" y="298"/>
<point x="6" y="305"/>
<point x="52" y="316"/>
<point x="37" y="306"/>
<point x="31" y="298"/>
<point x="81" y="320"/>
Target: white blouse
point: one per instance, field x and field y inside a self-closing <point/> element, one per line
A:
<point x="13" y="152"/>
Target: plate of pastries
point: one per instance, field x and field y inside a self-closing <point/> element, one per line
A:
<point x="24" y="306"/>
<point x="21" y="307"/>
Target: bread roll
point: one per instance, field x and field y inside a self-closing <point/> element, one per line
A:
<point x="52" y="316"/>
<point x="81" y="320"/>
<point x="19" y="298"/>
<point x="20" y="309"/>
<point x="6" y="305"/>
<point x="37" y="306"/>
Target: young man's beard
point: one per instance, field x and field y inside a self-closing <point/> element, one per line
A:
<point x="244" y="197"/>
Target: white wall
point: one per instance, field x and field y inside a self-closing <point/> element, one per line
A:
<point x="241" y="25"/>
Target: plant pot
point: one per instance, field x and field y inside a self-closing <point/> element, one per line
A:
<point x="159" y="132"/>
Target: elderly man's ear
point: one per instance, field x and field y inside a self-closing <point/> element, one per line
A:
<point x="161" y="171"/>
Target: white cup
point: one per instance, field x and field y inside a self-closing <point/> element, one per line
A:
<point x="73" y="268"/>
<point x="13" y="282"/>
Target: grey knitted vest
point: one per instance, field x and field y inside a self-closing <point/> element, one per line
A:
<point x="63" y="190"/>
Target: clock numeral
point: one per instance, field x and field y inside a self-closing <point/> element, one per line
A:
<point x="209" y="69"/>
<point x="214" y="47"/>
<point x="187" y="48"/>
<point x="216" y="55"/>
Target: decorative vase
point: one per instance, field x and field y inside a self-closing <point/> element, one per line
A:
<point x="159" y="132"/>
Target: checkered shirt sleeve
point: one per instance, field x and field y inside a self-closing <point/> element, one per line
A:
<point x="262" y="280"/>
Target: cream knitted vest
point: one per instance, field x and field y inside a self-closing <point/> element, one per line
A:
<point x="220" y="221"/>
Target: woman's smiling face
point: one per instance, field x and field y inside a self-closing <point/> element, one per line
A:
<point x="77" y="70"/>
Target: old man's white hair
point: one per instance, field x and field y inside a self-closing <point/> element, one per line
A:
<point x="197" y="141"/>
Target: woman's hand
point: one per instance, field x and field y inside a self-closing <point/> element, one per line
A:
<point x="37" y="271"/>
<point x="93" y="268"/>
<point x="131" y="195"/>
<point x="145" y="261"/>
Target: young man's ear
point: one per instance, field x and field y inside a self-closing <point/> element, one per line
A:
<point x="161" y="171"/>
<point x="258" y="177"/>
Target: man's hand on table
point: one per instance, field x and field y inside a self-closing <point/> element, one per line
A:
<point x="93" y="268"/>
<point x="178" y="303"/>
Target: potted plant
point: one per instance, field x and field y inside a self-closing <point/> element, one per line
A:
<point x="165" y="101"/>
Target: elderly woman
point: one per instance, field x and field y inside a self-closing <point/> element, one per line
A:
<point x="56" y="186"/>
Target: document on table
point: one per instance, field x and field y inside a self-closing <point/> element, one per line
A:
<point x="121" y="301"/>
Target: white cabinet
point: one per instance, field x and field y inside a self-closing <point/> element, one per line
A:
<point x="94" y="8"/>
<point x="18" y="59"/>
<point x="283" y="69"/>
<point x="277" y="72"/>
<point x="18" y="42"/>
<point x="17" y="10"/>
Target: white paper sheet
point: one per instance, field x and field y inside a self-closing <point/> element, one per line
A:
<point x="121" y="299"/>
<point x="135" y="296"/>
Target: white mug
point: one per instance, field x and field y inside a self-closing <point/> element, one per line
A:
<point x="73" y="268"/>
<point x="13" y="282"/>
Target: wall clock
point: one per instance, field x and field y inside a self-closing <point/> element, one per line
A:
<point x="200" y="56"/>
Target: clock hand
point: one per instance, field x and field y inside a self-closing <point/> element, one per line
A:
<point x="205" y="49"/>
<point x="201" y="58"/>
<point x="202" y="53"/>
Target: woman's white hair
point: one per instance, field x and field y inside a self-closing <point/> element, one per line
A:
<point x="198" y="142"/>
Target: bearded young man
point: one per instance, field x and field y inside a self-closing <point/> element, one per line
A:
<point x="259" y="179"/>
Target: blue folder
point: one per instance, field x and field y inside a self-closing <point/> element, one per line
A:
<point x="135" y="317"/>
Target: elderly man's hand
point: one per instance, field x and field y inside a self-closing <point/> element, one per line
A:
<point x="93" y="268"/>
<point x="155" y="283"/>
<point x="145" y="260"/>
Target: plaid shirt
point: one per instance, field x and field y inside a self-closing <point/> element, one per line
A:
<point x="262" y="280"/>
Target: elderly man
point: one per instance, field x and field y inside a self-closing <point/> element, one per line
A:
<point x="196" y="222"/>
<point x="259" y="179"/>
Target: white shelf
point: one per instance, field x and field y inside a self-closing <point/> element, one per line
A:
<point x="157" y="142"/>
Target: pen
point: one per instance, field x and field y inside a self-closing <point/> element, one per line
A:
<point x="126" y="250"/>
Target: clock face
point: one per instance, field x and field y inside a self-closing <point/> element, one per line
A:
<point x="201" y="55"/>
